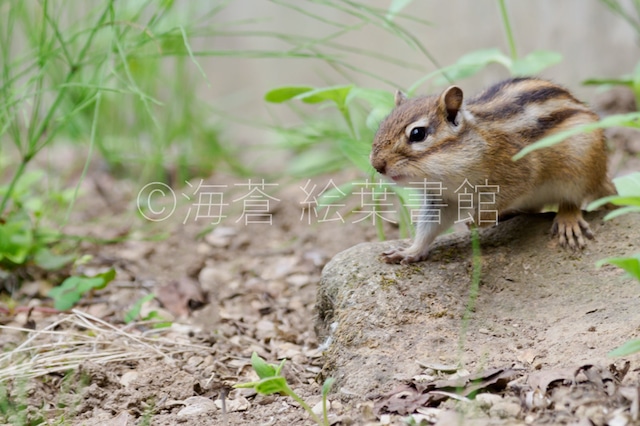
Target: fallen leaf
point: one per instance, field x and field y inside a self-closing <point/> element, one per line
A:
<point x="543" y="379"/>
<point x="181" y="297"/>
<point x="408" y="398"/>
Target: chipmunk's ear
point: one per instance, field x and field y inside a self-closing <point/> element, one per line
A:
<point x="400" y="97"/>
<point x="451" y="102"/>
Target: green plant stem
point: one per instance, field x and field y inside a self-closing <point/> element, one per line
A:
<point x="303" y="404"/>
<point x="507" y="29"/>
<point x="32" y="148"/>
<point x="379" y="224"/>
<point x="475" y="285"/>
<point x="325" y="414"/>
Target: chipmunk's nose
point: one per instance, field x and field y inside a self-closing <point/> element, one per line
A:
<point x="379" y="165"/>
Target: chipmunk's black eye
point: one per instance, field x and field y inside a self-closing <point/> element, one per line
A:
<point x="418" y="134"/>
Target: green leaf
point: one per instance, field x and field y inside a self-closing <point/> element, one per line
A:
<point x="134" y="312"/>
<point x="396" y="7"/>
<point x="326" y="386"/>
<point x="471" y="63"/>
<point x="279" y="367"/>
<point x="629" y="348"/>
<point x="381" y="103"/>
<point x="484" y="57"/>
<point x="621" y="211"/>
<point x="271" y="385"/>
<point x="535" y="62"/>
<point x="617" y="200"/>
<point x="622" y="81"/>
<point x="162" y="322"/>
<point x="629" y="120"/>
<point x="16" y="240"/>
<point x="628" y="185"/>
<point x="357" y="152"/>
<point x="26" y="183"/>
<point x="337" y="94"/>
<point x="107" y="277"/>
<point x="67" y="294"/>
<point x="630" y="264"/>
<point x="635" y="86"/>
<point x="45" y="259"/>
<point x="375" y="117"/>
<point x="374" y="97"/>
<point x="247" y="385"/>
<point x="261" y="367"/>
<point x="623" y="200"/>
<point x="628" y="188"/>
<point x="283" y="94"/>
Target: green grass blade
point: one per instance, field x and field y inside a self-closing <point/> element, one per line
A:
<point x="628" y="120"/>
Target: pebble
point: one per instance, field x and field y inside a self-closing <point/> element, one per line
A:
<point x="220" y="237"/>
<point x="240" y="403"/>
<point x="128" y="377"/>
<point x="195" y="360"/>
<point x="505" y="409"/>
<point x="385" y="419"/>
<point x="487" y="400"/>
<point x="298" y="280"/>
<point x="317" y="409"/>
<point x="196" y="405"/>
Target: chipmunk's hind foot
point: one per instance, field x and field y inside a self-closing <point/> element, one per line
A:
<point x="570" y="227"/>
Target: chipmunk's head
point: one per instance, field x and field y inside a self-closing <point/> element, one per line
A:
<point x="420" y="135"/>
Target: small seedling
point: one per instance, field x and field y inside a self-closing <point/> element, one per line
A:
<point x="67" y="294"/>
<point x="134" y="313"/>
<point x="271" y="381"/>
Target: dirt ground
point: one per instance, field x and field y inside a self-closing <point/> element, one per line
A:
<point x="228" y="290"/>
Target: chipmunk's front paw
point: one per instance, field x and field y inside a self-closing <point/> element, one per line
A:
<point x="571" y="230"/>
<point x="403" y="256"/>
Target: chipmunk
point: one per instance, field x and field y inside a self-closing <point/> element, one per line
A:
<point x="449" y="140"/>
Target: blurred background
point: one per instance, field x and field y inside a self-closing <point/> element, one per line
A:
<point x="97" y="94"/>
<point x="593" y="42"/>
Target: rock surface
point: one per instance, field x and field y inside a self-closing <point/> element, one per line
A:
<point x="538" y="306"/>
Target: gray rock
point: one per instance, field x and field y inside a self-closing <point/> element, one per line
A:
<point x="536" y="301"/>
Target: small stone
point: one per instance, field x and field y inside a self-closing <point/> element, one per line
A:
<point x="220" y="237"/>
<point x="128" y="377"/>
<point x="487" y="400"/>
<point x="279" y="269"/>
<point x="596" y="414"/>
<point x="195" y="360"/>
<point x="196" y="405"/>
<point x="385" y="419"/>
<point x="265" y="329"/>
<point x="288" y="350"/>
<point x="298" y="280"/>
<point x="505" y="409"/>
<point x="204" y="249"/>
<point x="619" y="419"/>
<point x="318" y="258"/>
<point x="427" y="415"/>
<point x="208" y="277"/>
<point x="238" y="404"/>
<point x="317" y="409"/>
